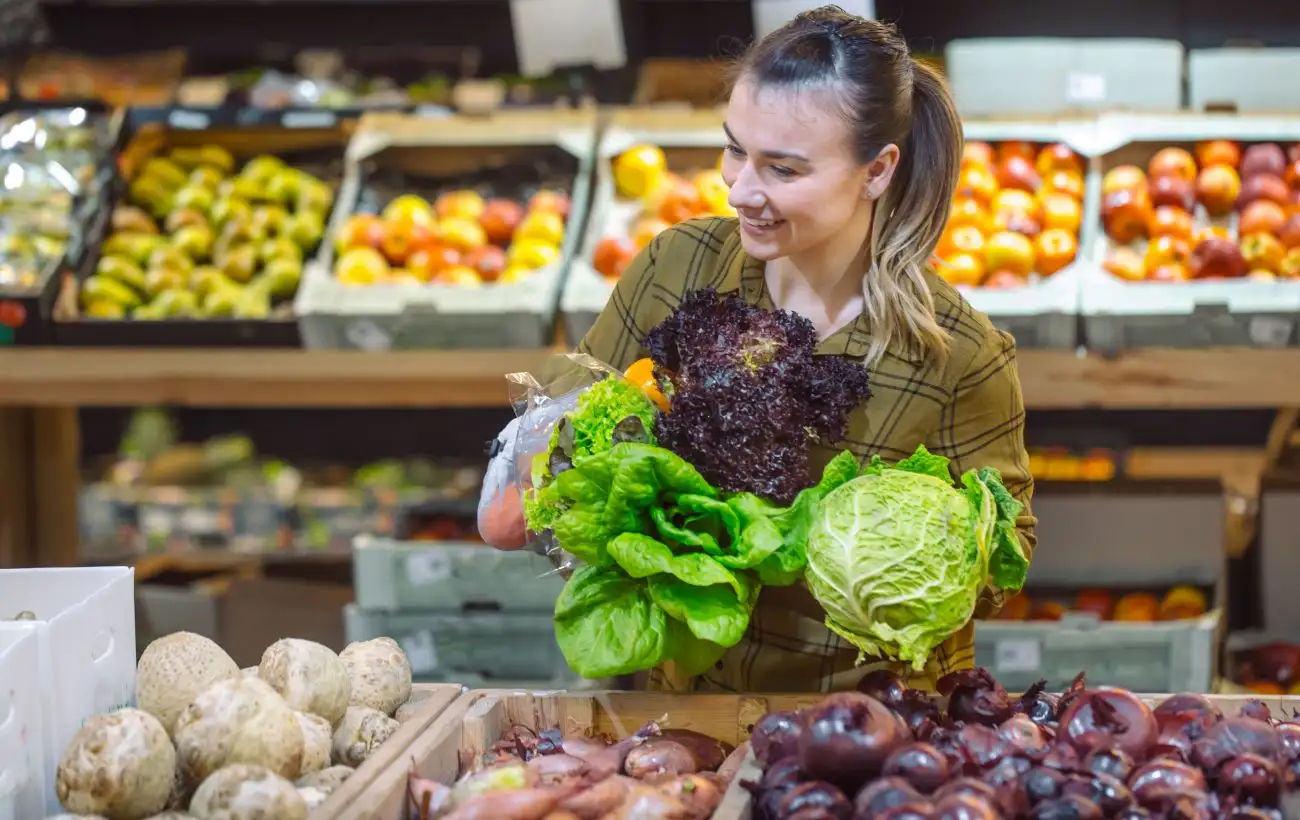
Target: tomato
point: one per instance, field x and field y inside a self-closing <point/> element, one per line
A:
<point x="642" y="374"/>
<point x="12" y="314"/>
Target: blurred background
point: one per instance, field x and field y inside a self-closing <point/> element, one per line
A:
<point x="233" y="354"/>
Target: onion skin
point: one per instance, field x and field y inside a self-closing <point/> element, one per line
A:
<point x="1027" y="736"/>
<point x="1251" y="778"/>
<point x="920" y="764"/>
<point x="1179" y="709"/>
<point x="975" y="697"/>
<point x="1097" y="716"/>
<point x="982" y="747"/>
<point x="1160" y="780"/>
<point x="775" y="736"/>
<point x="1235" y="736"/>
<point x="707" y="751"/>
<point x="846" y="738"/>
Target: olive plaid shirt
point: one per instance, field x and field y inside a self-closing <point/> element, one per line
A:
<point x="968" y="408"/>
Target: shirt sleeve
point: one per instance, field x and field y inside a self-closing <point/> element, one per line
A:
<point x="983" y="425"/>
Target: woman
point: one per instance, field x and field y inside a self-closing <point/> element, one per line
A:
<point x="842" y="158"/>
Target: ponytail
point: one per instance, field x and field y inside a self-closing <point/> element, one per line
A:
<point x="909" y="223"/>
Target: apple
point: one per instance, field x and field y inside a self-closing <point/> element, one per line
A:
<point x="1292" y="175"/>
<point x="644" y="230"/>
<point x="1289" y="233"/>
<point x="1263" y="251"/>
<point x="1066" y="182"/>
<point x="489" y="261"/>
<point x="970" y="212"/>
<point x="1261" y="216"/>
<point x="1290" y="267"/>
<point x="461" y="276"/>
<point x="1011" y="251"/>
<point x="960" y="239"/>
<point x="542" y="226"/>
<point x="1053" y="250"/>
<point x="408" y="208"/>
<point x="1263" y="186"/>
<point x="1263" y="158"/>
<point x="679" y="203"/>
<point x="550" y="200"/>
<point x="977" y="153"/>
<point x="1014" y="199"/>
<point x="1125" y="263"/>
<point x="499" y="220"/>
<point x="1175" y="191"/>
<point x="1121" y="177"/>
<point x="1126" y="214"/>
<point x="1005" y="279"/>
<point x="1062" y="211"/>
<point x="1171" y="272"/>
<point x="1217" y="258"/>
<point x="1217" y="189"/>
<point x="1166" y="250"/>
<point x="462" y="234"/>
<point x="1058" y="157"/>
<point x="402" y="238"/>
<point x="1168" y="220"/>
<point x="1017" y="173"/>
<point x="962" y="269"/>
<point x="1017" y="222"/>
<point x="426" y="263"/>
<point x="612" y="254"/>
<point x="360" y="231"/>
<point x="462" y="204"/>
<point x="976" y="182"/>
<point x="1016" y="148"/>
<point x="531" y="253"/>
<point x="1218" y="152"/>
<point x="361" y="266"/>
<point x="714" y="192"/>
<point x="1205" y="232"/>
<point x="1172" y="162"/>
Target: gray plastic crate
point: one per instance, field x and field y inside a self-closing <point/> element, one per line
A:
<point x="1249" y="79"/>
<point x="418" y="316"/>
<point x="1178" y="656"/>
<point x="393" y="576"/>
<point x="482" y="647"/>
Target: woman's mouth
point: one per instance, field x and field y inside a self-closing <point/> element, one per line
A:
<point x="760" y="227"/>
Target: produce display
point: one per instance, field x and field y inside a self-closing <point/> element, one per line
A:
<point x="1219" y="211"/>
<point x="462" y="239"/>
<point x="1178" y="603"/>
<point x="1061" y="464"/>
<point x="197" y="238"/>
<point x="678" y="519"/>
<point x="230" y="744"/>
<point x="892" y="752"/>
<point x="657" y="772"/>
<point x="1272" y="669"/>
<point x="652" y="198"/>
<point x="1015" y="216"/>
<point x="50" y="159"/>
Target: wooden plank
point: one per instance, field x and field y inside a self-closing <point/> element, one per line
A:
<point x="56" y="482"/>
<point x="1204" y="378"/>
<point x="435" y="699"/>
<point x="16" y="539"/>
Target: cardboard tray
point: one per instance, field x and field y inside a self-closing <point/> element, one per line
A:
<point x="315" y="137"/>
<point x="440" y="316"/>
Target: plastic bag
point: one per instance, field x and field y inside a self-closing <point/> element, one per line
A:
<point x="539" y="405"/>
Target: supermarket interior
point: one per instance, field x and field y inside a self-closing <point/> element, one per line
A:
<point x="296" y="447"/>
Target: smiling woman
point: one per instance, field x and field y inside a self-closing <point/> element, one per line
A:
<point x="842" y="159"/>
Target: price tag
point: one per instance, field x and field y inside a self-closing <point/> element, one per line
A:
<point x="366" y="335"/>
<point x="309" y="119"/>
<point x="1019" y="655"/>
<point x="420" y="651"/>
<point x="427" y="567"/>
<point x="1084" y="86"/>
<point x="192" y="120"/>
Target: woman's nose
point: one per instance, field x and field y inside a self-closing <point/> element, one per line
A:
<point x="744" y="192"/>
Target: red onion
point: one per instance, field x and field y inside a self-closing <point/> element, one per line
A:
<point x="1070" y="807"/>
<point x="1178" y="710"/>
<point x="975" y="697"/>
<point x="882" y="795"/>
<point x="920" y="764"/>
<point x="964" y="807"/>
<point x="846" y="738"/>
<point x="884" y="686"/>
<point x="982" y="747"/>
<point x="775" y="736"/>
<point x="1251" y="778"/>
<point x="1235" y="736"/>
<point x="1028" y="737"/>
<point x="1099" y="716"/>
<point x="1289" y="735"/>
<point x="1161" y="780"/>
<point x="816" y="795"/>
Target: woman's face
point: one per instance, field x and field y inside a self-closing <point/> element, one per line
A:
<point x="795" y="181"/>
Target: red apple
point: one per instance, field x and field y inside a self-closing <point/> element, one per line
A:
<point x="1175" y="191"/>
<point x="1217" y="188"/>
<point x="1004" y="279"/>
<point x="1126" y="214"/>
<point x="499" y="219"/>
<point x="1018" y="173"/>
<point x="1263" y="158"/>
<point x="1217" y="259"/>
<point x="1171" y="161"/>
<point x="1290" y="231"/>
<point x="1293" y="153"/>
<point x="488" y="260"/>
<point x="1263" y="186"/>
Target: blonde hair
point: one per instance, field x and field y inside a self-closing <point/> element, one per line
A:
<point x="888" y="97"/>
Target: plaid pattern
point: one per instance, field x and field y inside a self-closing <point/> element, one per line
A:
<point x="968" y="408"/>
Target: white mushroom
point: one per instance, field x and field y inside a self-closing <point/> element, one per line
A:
<point x="119" y="765"/>
<point x="379" y="673"/>
<point x="239" y="721"/>
<point x="309" y="676"/>
<point x="174" y="669"/>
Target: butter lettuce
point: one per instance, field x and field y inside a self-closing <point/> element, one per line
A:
<point x="899" y="556"/>
<point x="671" y="568"/>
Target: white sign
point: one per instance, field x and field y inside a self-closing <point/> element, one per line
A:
<point x="420" y="651"/>
<point x="1085" y="87"/>
<point x="1018" y="655"/>
<point x="427" y="567"/>
<point x="550" y="33"/>
<point x="770" y="15"/>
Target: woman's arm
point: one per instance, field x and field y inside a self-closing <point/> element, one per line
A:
<point x="984" y="426"/>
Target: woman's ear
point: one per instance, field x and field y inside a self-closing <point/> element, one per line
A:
<point x="880" y="171"/>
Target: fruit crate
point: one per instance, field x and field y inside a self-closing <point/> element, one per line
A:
<point x="1243" y="79"/>
<point x="449" y="305"/>
<point x="44" y="231"/>
<point x="1131" y="311"/>
<point x="483" y="646"/>
<point x="308" y="141"/>
<point x="476" y="721"/>
<point x="397" y="576"/>
<point x="691" y="141"/>
<point x="1044" y="313"/>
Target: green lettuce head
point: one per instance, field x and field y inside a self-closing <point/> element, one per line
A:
<point x="898" y="557"/>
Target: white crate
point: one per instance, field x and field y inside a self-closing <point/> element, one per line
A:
<point x="22" y="728"/>
<point x="1250" y="79"/>
<point x="86" y="647"/>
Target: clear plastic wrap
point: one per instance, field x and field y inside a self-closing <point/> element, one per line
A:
<point x="539" y="402"/>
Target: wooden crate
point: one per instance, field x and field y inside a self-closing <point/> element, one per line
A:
<point x="437" y="697"/>
<point x="737" y="802"/>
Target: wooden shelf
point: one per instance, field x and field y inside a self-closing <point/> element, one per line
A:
<point x="1174" y="379"/>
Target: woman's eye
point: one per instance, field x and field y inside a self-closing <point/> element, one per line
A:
<point x="735" y="151"/>
<point x="782" y="171"/>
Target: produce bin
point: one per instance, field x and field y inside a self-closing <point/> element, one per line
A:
<point x="22" y="730"/>
<point x="1043" y="314"/>
<point x="85" y="647"/>
<point x="997" y="76"/>
<point x="60" y="156"/>
<point x="1244" y="79"/>
<point x="478" y="720"/>
<point x="431" y="304"/>
<point x="1238" y="312"/>
<point x="241" y="219"/>
<point x="690" y="140"/>
<point x="397" y="576"/>
<point x="1279" y="561"/>
<point x="486" y="648"/>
